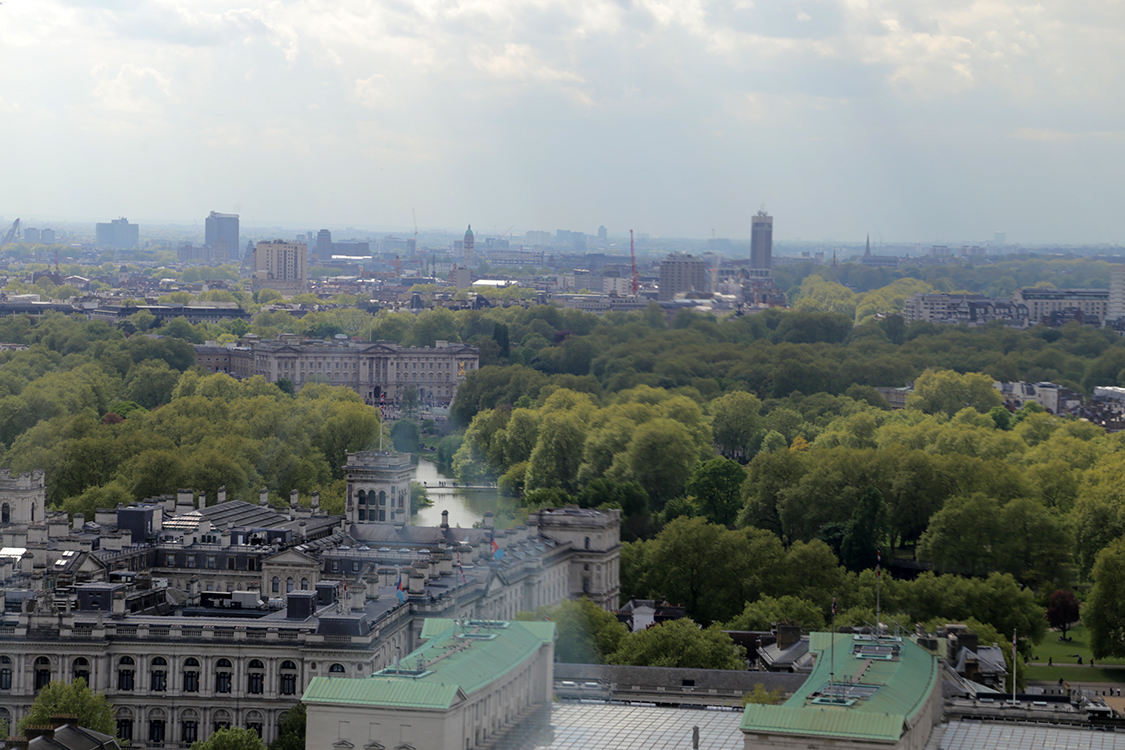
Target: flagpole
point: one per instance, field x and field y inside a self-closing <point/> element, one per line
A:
<point x="1013" y="665"/>
<point x="878" y="590"/>
<point x="832" y="663"/>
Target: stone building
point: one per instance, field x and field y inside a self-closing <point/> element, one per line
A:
<point x="192" y="616"/>
<point x="282" y="266"/>
<point x="379" y="371"/>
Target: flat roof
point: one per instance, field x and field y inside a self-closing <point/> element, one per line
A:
<point x="877" y="686"/>
<point x="979" y="735"/>
<point x="607" y="726"/>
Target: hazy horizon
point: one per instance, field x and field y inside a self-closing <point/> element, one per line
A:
<point x="672" y="117"/>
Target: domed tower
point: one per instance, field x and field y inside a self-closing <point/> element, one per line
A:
<point x="469" y="241"/>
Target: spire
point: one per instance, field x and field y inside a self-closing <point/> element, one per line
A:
<point x="867" y="252"/>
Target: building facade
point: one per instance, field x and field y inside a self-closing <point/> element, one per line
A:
<point x="379" y="372"/>
<point x="221" y="235"/>
<point x="281" y="265"/>
<point x="680" y="272"/>
<point x="119" y="234"/>
<point x="1093" y="304"/>
<point x="191" y="616"/>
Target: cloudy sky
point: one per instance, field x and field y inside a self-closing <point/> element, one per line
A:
<point x="915" y="120"/>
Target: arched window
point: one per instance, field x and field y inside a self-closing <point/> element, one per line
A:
<point x="125" y="724"/>
<point x="382" y="497"/>
<point x="189" y="726"/>
<point x="158" y="674"/>
<point x="363" y="497"/>
<point x="191" y="675"/>
<point x="256" y="678"/>
<point x="5" y="673"/>
<point x="223" y="670"/>
<point x="337" y="668"/>
<point x="81" y="669"/>
<point x="42" y="672"/>
<point x="5" y="513"/>
<point x="288" y="678"/>
<point x="125" y="673"/>
<point x="288" y="585"/>
<point x="587" y="542"/>
<point x="276" y="585"/>
<point x="304" y="584"/>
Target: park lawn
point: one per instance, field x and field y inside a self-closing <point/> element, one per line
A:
<point x="1064" y="653"/>
<point x="1075" y="674"/>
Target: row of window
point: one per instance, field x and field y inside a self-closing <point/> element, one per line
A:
<point x="189" y="730"/>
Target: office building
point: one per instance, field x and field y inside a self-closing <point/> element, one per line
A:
<point x="118" y="234"/>
<point x="31" y="235"/>
<point x="761" y="240"/>
<point x="1115" y="309"/>
<point x="221" y="235"/>
<point x="47" y="236"/>
<point x="681" y="273"/>
<point x="603" y="233"/>
<point x="324" y="245"/>
<point x="282" y="266"/>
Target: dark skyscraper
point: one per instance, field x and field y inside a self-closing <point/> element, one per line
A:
<point x="761" y="241"/>
<point x="221" y="235"/>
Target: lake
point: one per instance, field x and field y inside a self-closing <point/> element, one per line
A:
<point x="465" y="507"/>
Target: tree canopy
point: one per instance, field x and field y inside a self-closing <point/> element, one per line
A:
<point x="92" y="709"/>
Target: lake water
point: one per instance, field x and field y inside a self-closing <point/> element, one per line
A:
<point x="465" y="507"/>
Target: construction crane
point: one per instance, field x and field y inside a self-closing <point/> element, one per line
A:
<point x="12" y="234"/>
<point x="415" y="217"/>
<point x="633" y="253"/>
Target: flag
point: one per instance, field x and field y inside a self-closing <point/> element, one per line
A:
<point x="878" y="564"/>
<point x="398" y="593"/>
<point x="497" y="553"/>
<point x="833" y="606"/>
<point x="461" y="568"/>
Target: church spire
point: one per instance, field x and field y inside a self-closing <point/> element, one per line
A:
<point x="867" y="252"/>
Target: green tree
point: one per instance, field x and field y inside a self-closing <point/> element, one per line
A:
<point x="680" y="643"/>
<point x="231" y="738"/>
<point x="716" y="486"/>
<point x="1105" y="609"/>
<point x="291" y="730"/>
<point x="75" y="698"/>
<point x="949" y="392"/>
<point x="734" y="422"/>
<point x="761" y="696"/>
<point x="865" y="532"/>
<point x="661" y="456"/>
<point x="768" y="611"/>
<point x="558" y="452"/>
<point x="587" y="634"/>
<point x="964" y="535"/>
<point x="405" y="436"/>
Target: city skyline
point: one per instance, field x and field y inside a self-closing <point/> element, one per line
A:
<point x="927" y="121"/>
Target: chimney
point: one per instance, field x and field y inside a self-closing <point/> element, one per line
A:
<point x="185" y="502"/>
<point x="445" y="519"/>
<point x="488" y="520"/>
<point x="302" y="530"/>
<point x="221" y="495"/>
<point x="417" y="583"/>
<point x="372" y="586"/>
<point x="966" y="640"/>
<point x="293" y="499"/>
<point x="358" y="595"/>
<point x="119" y="603"/>
<point x="264" y="498"/>
<point x="788" y="635"/>
<point x="79" y="521"/>
<point x="315" y="501"/>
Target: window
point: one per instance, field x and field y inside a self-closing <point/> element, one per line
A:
<point x="587" y="542"/>
<point x="170" y="561"/>
<point x="125" y="729"/>
<point x="336" y="668"/>
<point x="159" y="674"/>
<point x="156" y="731"/>
<point x="304" y="584"/>
<point x="256" y="727"/>
<point x="211" y="562"/>
<point x="189" y="731"/>
<point x="586" y="585"/>
<point x="288" y="684"/>
<point x="191" y="561"/>
<point x="288" y="584"/>
<point x="6" y="676"/>
<point x="276" y="585"/>
<point x="82" y="669"/>
<point x="255" y="683"/>
<point x="191" y="676"/>
<point x="125" y="673"/>
<point x="42" y="672"/>
<point x="5" y="513"/>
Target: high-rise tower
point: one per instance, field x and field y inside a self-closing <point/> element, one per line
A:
<point x="469" y="241"/>
<point x="221" y="235"/>
<point x="761" y="240"/>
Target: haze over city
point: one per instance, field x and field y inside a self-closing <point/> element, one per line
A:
<point x="911" y="122"/>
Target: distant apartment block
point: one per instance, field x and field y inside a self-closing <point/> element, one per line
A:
<point x="535" y="238"/>
<point x="221" y="236"/>
<point x="281" y="265"/>
<point x="973" y="309"/>
<point x="1093" y="304"/>
<point x="681" y="273"/>
<point x="119" y="234"/>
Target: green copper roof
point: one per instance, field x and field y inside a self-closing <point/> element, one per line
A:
<point x="881" y="695"/>
<point x="449" y="664"/>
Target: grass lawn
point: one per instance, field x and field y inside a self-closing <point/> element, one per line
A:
<point x="1064" y="653"/>
<point x="1075" y="674"/>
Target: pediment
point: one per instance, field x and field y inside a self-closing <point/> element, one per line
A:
<point x="291" y="557"/>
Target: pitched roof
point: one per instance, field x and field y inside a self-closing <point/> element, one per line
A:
<point x="882" y="685"/>
<point x="452" y="664"/>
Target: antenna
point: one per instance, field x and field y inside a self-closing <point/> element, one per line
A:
<point x="633" y="253"/>
<point x="415" y="217"/>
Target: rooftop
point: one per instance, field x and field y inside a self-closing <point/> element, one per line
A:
<point x="864" y="688"/>
<point x="453" y="663"/>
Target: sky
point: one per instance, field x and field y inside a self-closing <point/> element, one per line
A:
<point x="920" y="121"/>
